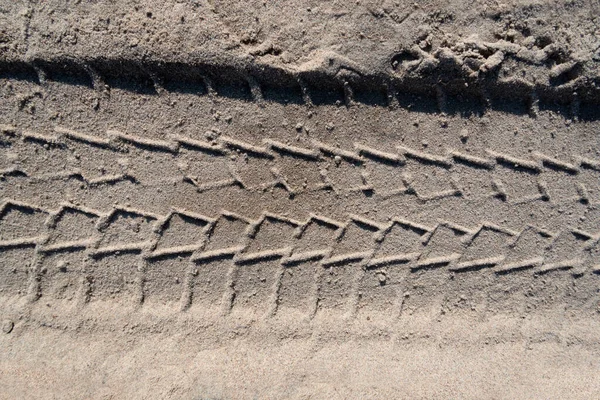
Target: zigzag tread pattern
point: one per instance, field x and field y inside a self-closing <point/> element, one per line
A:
<point x="77" y="253"/>
<point x="258" y="167"/>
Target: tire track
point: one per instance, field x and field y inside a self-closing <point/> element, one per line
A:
<point x="275" y="164"/>
<point x="120" y="250"/>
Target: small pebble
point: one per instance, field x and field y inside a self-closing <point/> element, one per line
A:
<point x="62" y="266"/>
<point x="210" y="135"/>
<point x="7" y="326"/>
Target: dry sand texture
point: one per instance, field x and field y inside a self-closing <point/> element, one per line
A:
<point x="301" y="199"/>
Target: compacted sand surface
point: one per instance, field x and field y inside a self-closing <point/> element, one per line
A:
<point x="221" y="199"/>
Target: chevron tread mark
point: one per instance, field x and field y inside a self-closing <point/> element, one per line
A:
<point x="228" y="261"/>
<point x="225" y="162"/>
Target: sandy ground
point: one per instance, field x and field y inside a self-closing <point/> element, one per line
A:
<point x="303" y="200"/>
<point x="500" y="358"/>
